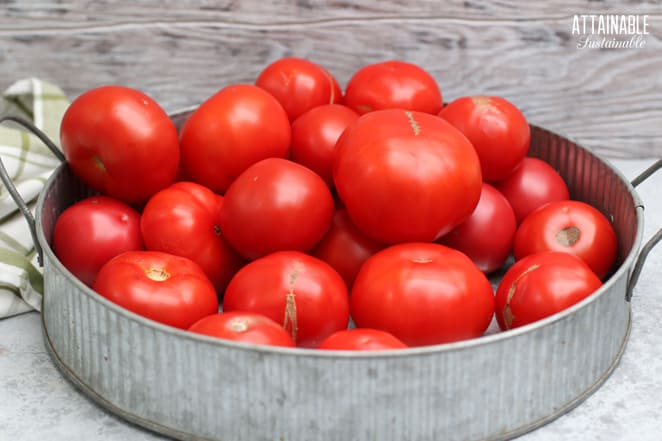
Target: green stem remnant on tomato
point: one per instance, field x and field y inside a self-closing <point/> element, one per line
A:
<point x="508" y="316"/>
<point x="157" y="274"/>
<point x="568" y="236"/>
<point x="414" y="124"/>
<point x="99" y="163"/>
<point x="290" y="318"/>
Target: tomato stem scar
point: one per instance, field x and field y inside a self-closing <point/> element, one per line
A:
<point x="157" y="274"/>
<point x="414" y="124"/>
<point x="508" y="316"/>
<point x="568" y="236"/>
<point x="238" y="325"/>
<point x="99" y="163"/>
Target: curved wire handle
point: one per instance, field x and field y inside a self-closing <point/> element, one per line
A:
<point x="11" y="188"/>
<point x="646" y="249"/>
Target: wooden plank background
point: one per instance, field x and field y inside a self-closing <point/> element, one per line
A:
<point x="180" y="52"/>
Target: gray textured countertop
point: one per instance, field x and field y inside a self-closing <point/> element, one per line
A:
<point x="37" y="403"/>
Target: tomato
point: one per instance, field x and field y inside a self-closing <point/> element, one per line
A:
<point x="361" y="339"/>
<point x="315" y="134"/>
<point x="406" y="176"/>
<point x="92" y="231"/>
<point x="236" y="127"/>
<point x="393" y="84"/>
<point x="540" y="285"/>
<point x="169" y="289"/>
<point x="244" y="327"/>
<point x="497" y="129"/>
<point x="533" y="183"/>
<point x="120" y="142"/>
<point x="184" y="219"/>
<point x="276" y="204"/>
<point x="304" y="294"/>
<point x="486" y="237"/>
<point x="423" y="294"/>
<point x="345" y="247"/>
<point x="573" y="227"/>
<point x="299" y="85"/>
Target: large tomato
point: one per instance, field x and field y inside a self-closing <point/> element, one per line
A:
<point x="299" y="85"/>
<point x="89" y="233"/>
<point x="393" y="84"/>
<point x="573" y="227"/>
<point x="540" y="285"/>
<point x="245" y="327"/>
<point x="533" y="183"/>
<point x="184" y="219"/>
<point x="422" y="293"/>
<point x="233" y="129"/>
<point x="345" y="247"/>
<point x="120" y="142"/>
<point x="497" y="129"/>
<point x="406" y="176"/>
<point x="169" y="289"/>
<point x="276" y="204"/>
<point x="362" y="339"/>
<point x="487" y="235"/>
<point x="315" y="134"/>
<point x="302" y="293"/>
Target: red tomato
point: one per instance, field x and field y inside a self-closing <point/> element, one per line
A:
<point x="362" y="339"/>
<point x="540" y="285"/>
<point x="169" y="289"/>
<point x="406" y="176"/>
<point x="245" y="327"/>
<point x="276" y="204"/>
<point x="184" y="219"/>
<point x="235" y="128"/>
<point x="422" y="293"/>
<point x="345" y="247"/>
<point x="497" y="129"/>
<point x="120" y="142"/>
<point x="299" y="85"/>
<point x="487" y="235"/>
<point x="533" y="183"/>
<point x="315" y="134"/>
<point x="303" y="293"/>
<point x="92" y="231"/>
<point x="573" y="227"/>
<point x="393" y="84"/>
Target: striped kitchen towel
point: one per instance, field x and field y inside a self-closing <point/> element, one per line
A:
<point x="28" y="163"/>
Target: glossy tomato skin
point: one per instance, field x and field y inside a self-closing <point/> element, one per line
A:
<point x="294" y="289"/>
<point x="299" y="85"/>
<point x="393" y="84"/>
<point x="423" y="294"/>
<point x="184" y="219"/>
<point x="573" y="227"/>
<point x="92" y="231"/>
<point x="532" y="184"/>
<point x="236" y="127"/>
<point x="406" y="176"/>
<point x="540" y="285"/>
<point x="243" y="327"/>
<point x="486" y="237"/>
<point x="315" y="134"/>
<point x="497" y="129"/>
<point x="169" y="289"/>
<point x="120" y="142"/>
<point x="345" y="247"/>
<point x="276" y="204"/>
<point x="362" y="339"/>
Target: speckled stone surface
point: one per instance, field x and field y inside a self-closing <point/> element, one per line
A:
<point x="37" y="403"/>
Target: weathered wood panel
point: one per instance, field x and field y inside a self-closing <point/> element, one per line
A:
<point x="180" y="52"/>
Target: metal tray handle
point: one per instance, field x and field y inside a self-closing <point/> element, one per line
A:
<point x="632" y="279"/>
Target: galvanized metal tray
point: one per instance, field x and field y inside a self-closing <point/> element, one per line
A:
<point x="194" y="387"/>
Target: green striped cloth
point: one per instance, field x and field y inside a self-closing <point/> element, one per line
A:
<point x="29" y="163"/>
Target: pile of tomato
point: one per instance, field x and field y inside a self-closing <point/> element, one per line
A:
<point x="288" y="212"/>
